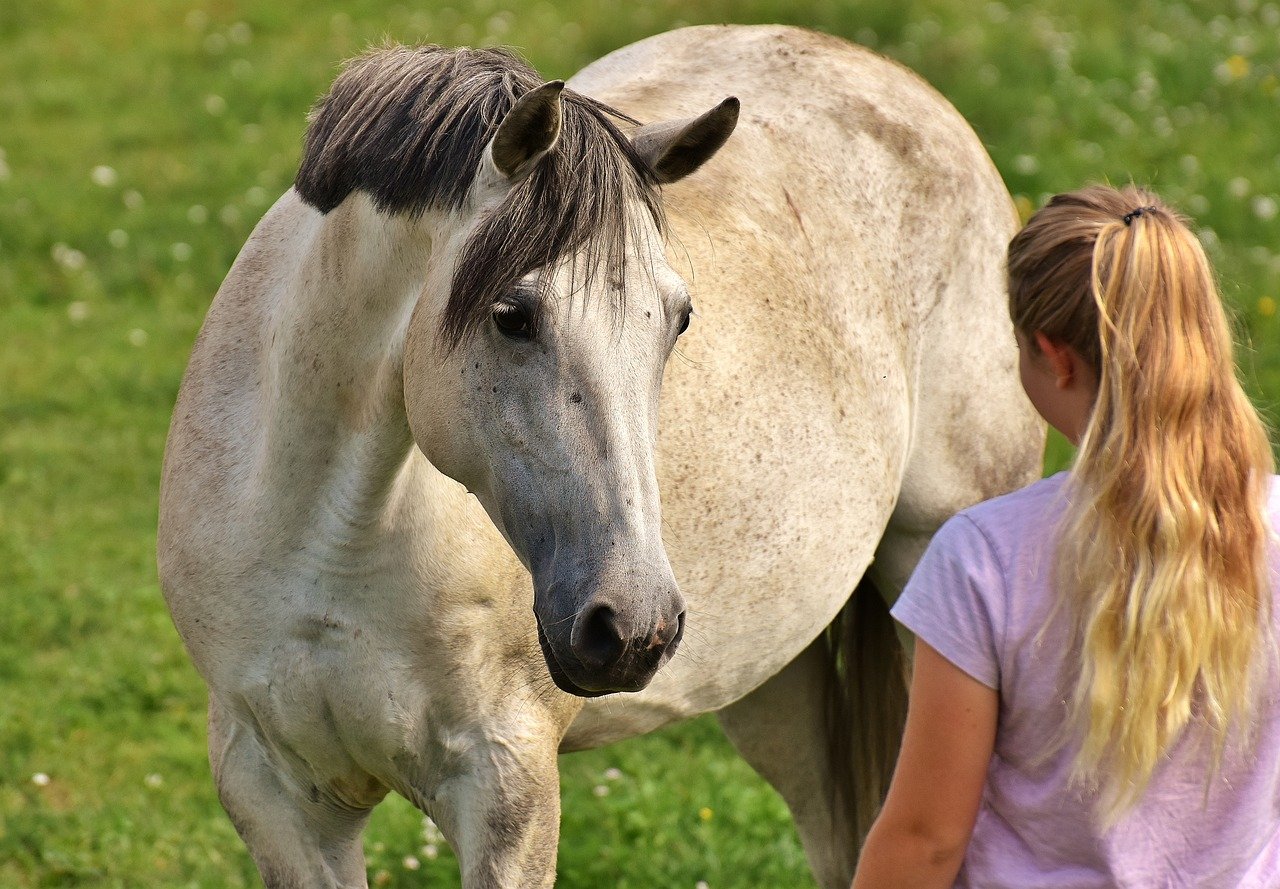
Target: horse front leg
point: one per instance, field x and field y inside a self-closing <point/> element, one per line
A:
<point x="300" y="837"/>
<point x="499" y="805"/>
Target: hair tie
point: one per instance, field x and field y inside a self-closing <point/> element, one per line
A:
<point x="1134" y="214"/>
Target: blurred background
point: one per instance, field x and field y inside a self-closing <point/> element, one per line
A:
<point x="139" y="144"/>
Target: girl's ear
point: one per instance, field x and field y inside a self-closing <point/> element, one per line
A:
<point x="1063" y="360"/>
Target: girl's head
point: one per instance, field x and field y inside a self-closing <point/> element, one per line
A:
<point x="1162" y="559"/>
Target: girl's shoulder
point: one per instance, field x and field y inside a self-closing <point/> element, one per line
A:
<point x="1023" y="510"/>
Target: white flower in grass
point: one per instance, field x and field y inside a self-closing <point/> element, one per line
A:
<point x="132" y="200"/>
<point x="411" y="863"/>
<point x="118" y="238"/>
<point x="104" y="176"/>
<point x="181" y="251"/>
<point x="612" y="774"/>
<point x="229" y="215"/>
<point x="153" y="780"/>
<point x="138" y="339"/>
<point x="430" y="851"/>
<point x="701" y="884"/>
<point x="1026" y="164"/>
<point x="40" y="779"/>
<point x="1239" y="187"/>
<point x="431" y="833"/>
<point x="600" y="790"/>
<point x="1264" y="207"/>
<point x="78" y="311"/>
<point x="69" y="258"/>
<point x="197" y="214"/>
<point x="215" y="104"/>
<point x="256" y="195"/>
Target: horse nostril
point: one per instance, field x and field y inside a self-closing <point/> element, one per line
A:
<point x="601" y="643"/>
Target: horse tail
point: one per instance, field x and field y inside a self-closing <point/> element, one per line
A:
<point x="866" y="706"/>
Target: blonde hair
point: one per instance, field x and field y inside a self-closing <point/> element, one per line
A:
<point x="1162" y="559"/>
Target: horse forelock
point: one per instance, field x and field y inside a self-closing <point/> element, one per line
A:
<point x="408" y="127"/>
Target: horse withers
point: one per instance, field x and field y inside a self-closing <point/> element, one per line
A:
<point x="423" y="504"/>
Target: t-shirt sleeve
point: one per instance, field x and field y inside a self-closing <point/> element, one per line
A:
<point x="955" y="600"/>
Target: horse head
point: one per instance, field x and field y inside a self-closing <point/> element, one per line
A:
<point x="534" y="361"/>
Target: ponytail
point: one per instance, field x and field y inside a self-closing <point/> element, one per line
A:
<point x="1163" y="555"/>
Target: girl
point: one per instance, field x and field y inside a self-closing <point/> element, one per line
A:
<point x="1095" y="699"/>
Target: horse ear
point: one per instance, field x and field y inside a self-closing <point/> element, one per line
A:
<point x="528" y="132"/>
<point x="675" y="148"/>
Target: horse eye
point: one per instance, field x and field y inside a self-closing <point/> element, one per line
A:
<point x="513" y="321"/>
<point x="684" y="322"/>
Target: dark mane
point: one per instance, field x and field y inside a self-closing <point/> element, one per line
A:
<point x="408" y="126"/>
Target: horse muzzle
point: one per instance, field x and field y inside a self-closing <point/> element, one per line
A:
<point x="612" y="644"/>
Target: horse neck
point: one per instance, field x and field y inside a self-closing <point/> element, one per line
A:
<point x="336" y="435"/>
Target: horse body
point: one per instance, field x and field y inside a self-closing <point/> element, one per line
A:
<point x="363" y="621"/>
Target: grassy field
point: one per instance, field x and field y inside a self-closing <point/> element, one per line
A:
<point x="140" y="142"/>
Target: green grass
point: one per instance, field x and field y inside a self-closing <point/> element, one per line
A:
<point x="141" y="141"/>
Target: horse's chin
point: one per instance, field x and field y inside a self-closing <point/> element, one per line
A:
<point x="561" y="678"/>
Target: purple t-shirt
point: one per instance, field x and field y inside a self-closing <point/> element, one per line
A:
<point x="981" y="596"/>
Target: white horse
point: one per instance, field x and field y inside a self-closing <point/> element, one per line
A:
<point x="414" y="470"/>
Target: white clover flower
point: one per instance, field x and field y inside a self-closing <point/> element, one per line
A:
<point x="181" y="251"/>
<point x="215" y="104"/>
<point x="68" y="257"/>
<point x="1239" y="187"/>
<point x="138" y="339"/>
<point x="256" y="195"/>
<point x="197" y="214"/>
<point x="1026" y="164"/>
<point x="600" y="790"/>
<point x="411" y="863"/>
<point x="701" y="884"/>
<point x="612" y="774"/>
<point x="430" y="832"/>
<point x="78" y="311"/>
<point x="152" y="780"/>
<point x="104" y="176"/>
<point x="132" y="200"/>
<point x="1264" y="207"/>
<point x="40" y="779"/>
<point x="118" y="238"/>
<point x="430" y="851"/>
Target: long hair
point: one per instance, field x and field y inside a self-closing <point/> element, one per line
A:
<point x="1162" y="558"/>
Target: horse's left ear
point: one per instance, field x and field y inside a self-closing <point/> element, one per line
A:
<point x="675" y="148"/>
<point x="527" y="134"/>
